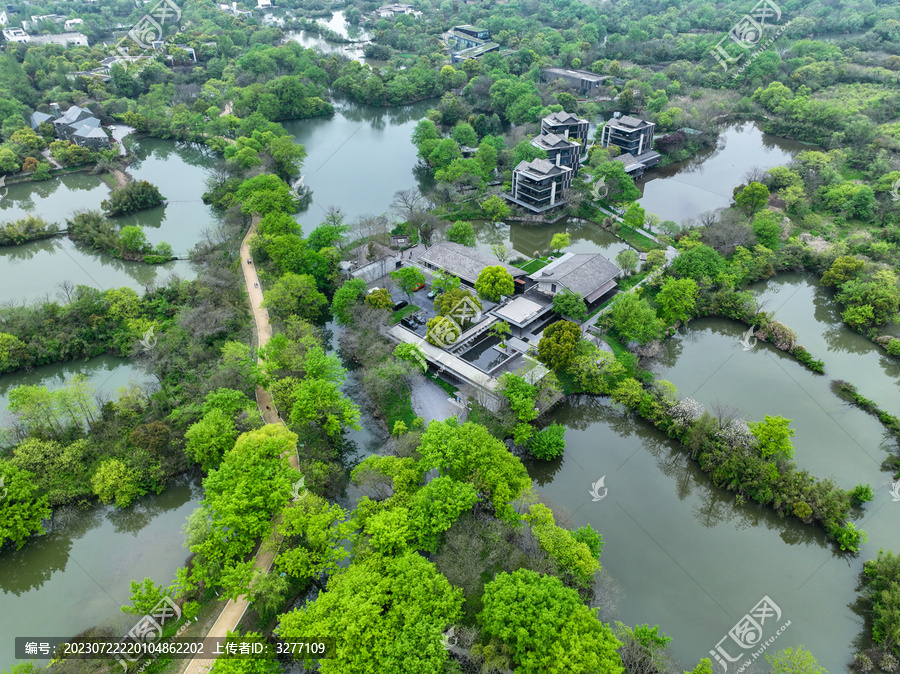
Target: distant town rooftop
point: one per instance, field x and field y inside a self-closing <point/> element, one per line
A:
<point x="540" y="168"/>
<point x="629" y="121"/>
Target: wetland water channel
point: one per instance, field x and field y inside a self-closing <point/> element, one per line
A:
<point x="678" y="551"/>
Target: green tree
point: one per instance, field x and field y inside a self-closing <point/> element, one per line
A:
<point x="560" y="240"/>
<point x="396" y="608"/>
<point x="442" y="282"/>
<point x="570" y="304"/>
<point x="21" y="507"/>
<point x="558" y="345"/>
<point x="296" y="295"/>
<point x="459" y="304"/>
<point x="774" y="436"/>
<point x="411" y="353"/>
<point x="634" y="217"/>
<point x="677" y="299"/>
<point x="13" y="352"/>
<point x="313" y="532"/>
<point x="133" y="239"/>
<point x="408" y="278"/>
<point x="525" y="151"/>
<point x="345" y="298"/>
<point x="114" y="481"/>
<point x="9" y="163"/>
<point x="634" y="319"/>
<point x="435" y="507"/>
<point x="546" y="627"/>
<point x="767" y="227"/>
<point x="843" y="269"/>
<point x="493" y="282"/>
<point x="701" y="263"/>
<point x="265" y="194"/>
<point x="131" y="198"/>
<point x="627" y="260"/>
<point x="495" y="208"/>
<point x="462" y="232"/>
<point x="469" y="453"/>
<point x="549" y="443"/>
<point x="752" y="198"/>
<point x="144" y="597"/>
<point x="464" y="134"/>
<point x="320" y="403"/>
<point x="794" y="661"/>
<point x="380" y="298"/>
<point x="207" y="440"/>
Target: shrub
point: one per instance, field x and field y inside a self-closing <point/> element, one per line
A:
<point x="862" y="493"/>
<point x="549" y="443"/>
<point x="893" y="347"/>
<point x="132" y="198"/>
<point x="802" y="510"/>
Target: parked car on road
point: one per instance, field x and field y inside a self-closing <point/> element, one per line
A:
<point x="418" y="287"/>
<point x="399" y="305"/>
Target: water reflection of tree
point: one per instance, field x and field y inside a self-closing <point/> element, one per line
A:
<point x="29" y="250"/>
<point x="544" y="472"/>
<point x="32" y="566"/>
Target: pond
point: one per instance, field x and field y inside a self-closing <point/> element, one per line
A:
<point x="705" y="182"/>
<point x="35" y="270"/>
<point x="357" y="158"/>
<point x="79" y="573"/>
<point x="680" y="551"/>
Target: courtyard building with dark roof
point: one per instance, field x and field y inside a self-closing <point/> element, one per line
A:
<point x="461" y="261"/>
<point x="586" y="82"/>
<point x="590" y="275"/>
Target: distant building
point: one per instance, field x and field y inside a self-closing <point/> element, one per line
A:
<point x="16" y="35"/>
<point x="4" y="18"/>
<point x="474" y="52"/>
<point x="586" y="82"/>
<point x="471" y="33"/>
<point x="76" y="124"/>
<point x="71" y="23"/>
<point x="589" y="274"/>
<point x="263" y="4"/>
<point x="560" y="151"/>
<point x="157" y="44"/>
<point x="233" y="9"/>
<point x="539" y="185"/>
<point x="62" y="39"/>
<point x="635" y="138"/>
<point x="567" y="125"/>
<point x="461" y="261"/>
<point x="396" y="9"/>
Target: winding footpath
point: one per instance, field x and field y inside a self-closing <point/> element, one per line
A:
<point x="234" y="610"/>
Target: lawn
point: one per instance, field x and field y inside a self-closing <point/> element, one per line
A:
<point x="404" y="312"/>
<point x="636" y="239"/>
<point x="533" y="265"/>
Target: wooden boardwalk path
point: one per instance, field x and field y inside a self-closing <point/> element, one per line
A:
<point x="234" y="610"/>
